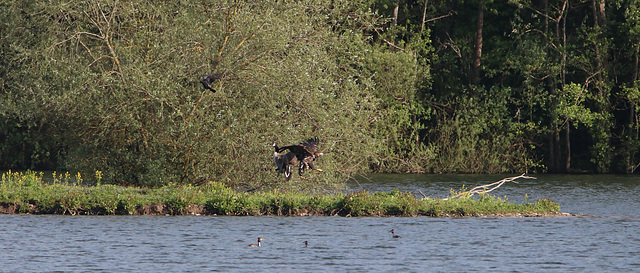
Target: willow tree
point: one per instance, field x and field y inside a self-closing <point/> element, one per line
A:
<point x="122" y="80"/>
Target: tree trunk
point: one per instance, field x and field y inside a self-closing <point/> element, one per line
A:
<point x="395" y="13"/>
<point x="564" y="45"/>
<point x="599" y="25"/>
<point x="602" y="14"/>
<point x="557" y="155"/>
<point x="561" y="38"/>
<point x="633" y="119"/>
<point x="552" y="154"/>
<point x="424" y="16"/>
<point x="546" y="18"/>
<point x="561" y="41"/>
<point x="568" y="147"/>
<point x="635" y="67"/>
<point x="477" y="55"/>
<point x="564" y="68"/>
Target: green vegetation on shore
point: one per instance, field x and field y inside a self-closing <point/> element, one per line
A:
<point x="28" y="193"/>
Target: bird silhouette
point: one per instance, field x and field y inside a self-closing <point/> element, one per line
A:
<point x="393" y="234"/>
<point x="208" y="79"/>
<point x="306" y="152"/>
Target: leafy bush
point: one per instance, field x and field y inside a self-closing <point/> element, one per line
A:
<point x="27" y="193"/>
<point x="116" y="84"/>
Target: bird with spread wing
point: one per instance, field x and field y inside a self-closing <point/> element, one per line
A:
<point x="305" y="152"/>
<point x="208" y="79"/>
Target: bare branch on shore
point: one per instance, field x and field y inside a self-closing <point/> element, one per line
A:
<point x="489" y="187"/>
<point x="422" y="194"/>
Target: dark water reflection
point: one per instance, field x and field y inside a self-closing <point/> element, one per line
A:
<point x="605" y="242"/>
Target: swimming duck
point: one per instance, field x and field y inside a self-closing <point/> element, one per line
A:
<point x="259" y="240"/>
<point x="306" y="244"/>
<point x="393" y="234"/>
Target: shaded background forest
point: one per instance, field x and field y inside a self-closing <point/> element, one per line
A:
<point x="475" y="86"/>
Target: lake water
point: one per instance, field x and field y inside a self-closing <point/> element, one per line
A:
<point x="606" y="238"/>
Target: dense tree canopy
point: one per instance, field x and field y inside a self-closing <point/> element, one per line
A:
<point x="474" y="86"/>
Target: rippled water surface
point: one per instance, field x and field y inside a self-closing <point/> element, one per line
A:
<point x="606" y="239"/>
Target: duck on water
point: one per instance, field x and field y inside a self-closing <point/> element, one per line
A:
<point x="254" y="245"/>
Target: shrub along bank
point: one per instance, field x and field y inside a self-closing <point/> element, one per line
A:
<point x="28" y="193"/>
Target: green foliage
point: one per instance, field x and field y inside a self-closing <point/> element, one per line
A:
<point x="119" y="83"/>
<point x="112" y="86"/>
<point x="361" y="204"/>
<point x="570" y="106"/>
<point x="223" y="204"/>
<point x="547" y="204"/>
<point x="30" y="194"/>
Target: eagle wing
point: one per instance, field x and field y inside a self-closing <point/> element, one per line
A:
<point x="304" y="149"/>
<point x="297" y="149"/>
<point x="311" y="145"/>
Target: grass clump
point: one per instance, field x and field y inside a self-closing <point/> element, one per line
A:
<point x="28" y="193"/>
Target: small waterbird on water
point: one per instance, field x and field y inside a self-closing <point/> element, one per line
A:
<point x="393" y="234"/>
<point x="306" y="244"/>
<point x="254" y="245"/>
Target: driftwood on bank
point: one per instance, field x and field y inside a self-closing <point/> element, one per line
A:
<point x="488" y="187"/>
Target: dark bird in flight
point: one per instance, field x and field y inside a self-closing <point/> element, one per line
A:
<point x="305" y="152"/>
<point x="284" y="161"/>
<point x="207" y="80"/>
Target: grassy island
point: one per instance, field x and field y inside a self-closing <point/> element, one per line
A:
<point x="28" y="193"/>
